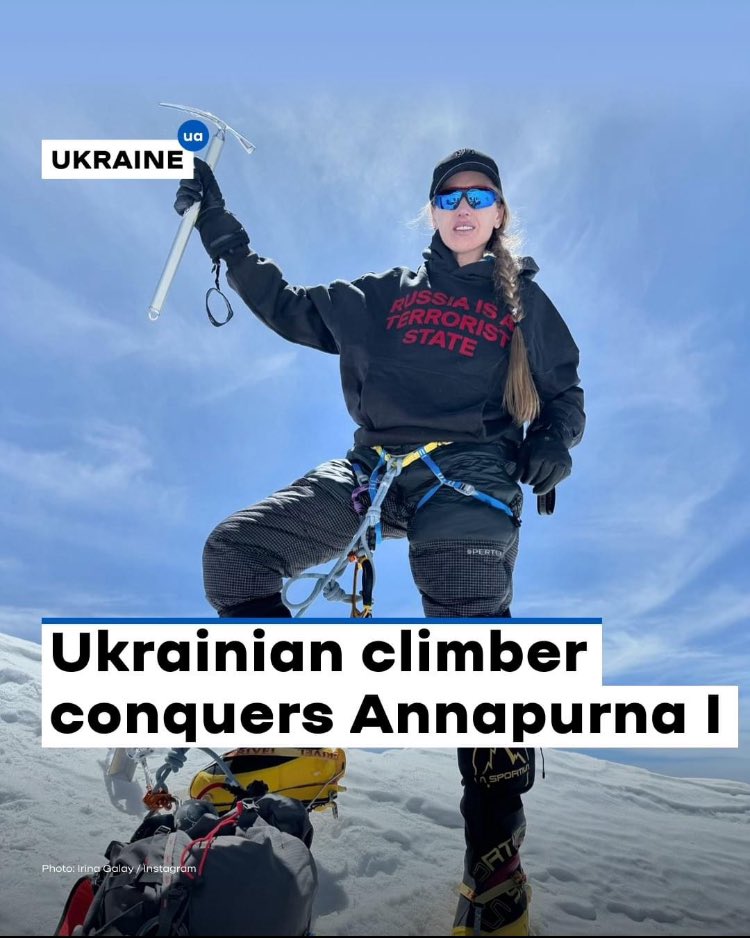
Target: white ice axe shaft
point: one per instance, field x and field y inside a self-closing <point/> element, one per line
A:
<point x="188" y="219"/>
<point x="183" y="235"/>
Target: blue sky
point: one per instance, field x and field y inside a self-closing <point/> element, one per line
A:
<point x="621" y="136"/>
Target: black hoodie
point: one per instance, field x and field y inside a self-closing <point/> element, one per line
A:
<point x="424" y="354"/>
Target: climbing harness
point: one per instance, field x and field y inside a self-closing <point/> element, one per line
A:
<point x="369" y="534"/>
<point x="464" y="488"/>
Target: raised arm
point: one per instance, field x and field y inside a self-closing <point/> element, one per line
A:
<point x="298" y="314"/>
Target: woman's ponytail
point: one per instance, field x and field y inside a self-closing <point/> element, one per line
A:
<point x="520" y="397"/>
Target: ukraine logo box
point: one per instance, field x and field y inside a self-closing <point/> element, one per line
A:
<point x="115" y="159"/>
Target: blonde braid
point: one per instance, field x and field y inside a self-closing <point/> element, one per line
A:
<point x="520" y="397"/>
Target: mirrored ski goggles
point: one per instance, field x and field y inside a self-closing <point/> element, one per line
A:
<point x="450" y="199"/>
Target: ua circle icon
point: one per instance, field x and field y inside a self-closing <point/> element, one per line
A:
<point x="193" y="135"/>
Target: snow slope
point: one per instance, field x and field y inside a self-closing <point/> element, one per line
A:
<point x="611" y="849"/>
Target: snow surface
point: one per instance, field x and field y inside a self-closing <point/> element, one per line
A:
<point x="611" y="849"/>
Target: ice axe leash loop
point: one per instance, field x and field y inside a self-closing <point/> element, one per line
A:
<point x="187" y="223"/>
<point x="217" y="289"/>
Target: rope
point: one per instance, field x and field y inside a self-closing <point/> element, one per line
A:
<point x="360" y="544"/>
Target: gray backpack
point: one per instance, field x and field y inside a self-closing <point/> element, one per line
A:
<point x="240" y="875"/>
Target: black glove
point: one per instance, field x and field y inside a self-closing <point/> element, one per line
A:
<point x="543" y="461"/>
<point x="222" y="235"/>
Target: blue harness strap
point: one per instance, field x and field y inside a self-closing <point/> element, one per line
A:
<point x="464" y="488"/>
<point x="374" y="482"/>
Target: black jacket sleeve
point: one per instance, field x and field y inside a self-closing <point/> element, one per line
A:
<point x="553" y="356"/>
<point x="304" y="315"/>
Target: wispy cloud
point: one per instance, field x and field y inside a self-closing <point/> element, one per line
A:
<point x="24" y="619"/>
<point x="243" y="376"/>
<point x="110" y="460"/>
<point x="67" y="325"/>
<point x="10" y="563"/>
<point x="103" y="467"/>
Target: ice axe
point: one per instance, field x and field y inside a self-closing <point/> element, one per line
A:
<point x="188" y="219"/>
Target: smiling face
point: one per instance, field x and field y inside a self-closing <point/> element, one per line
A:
<point x="467" y="230"/>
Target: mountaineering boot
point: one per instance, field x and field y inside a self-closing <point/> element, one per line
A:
<point x="500" y="906"/>
<point x="264" y="607"/>
<point x="494" y="896"/>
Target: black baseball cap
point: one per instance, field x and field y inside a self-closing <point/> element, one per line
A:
<point x="460" y="161"/>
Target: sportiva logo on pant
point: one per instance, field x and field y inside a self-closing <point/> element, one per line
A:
<point x="496" y="765"/>
<point x="115" y="159"/>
